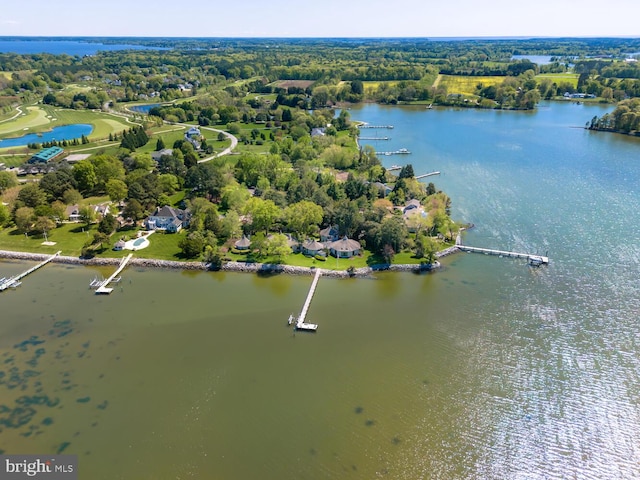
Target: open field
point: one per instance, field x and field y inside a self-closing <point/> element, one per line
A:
<point x="559" y="78"/>
<point x="372" y="86"/>
<point x="466" y="85"/>
<point x="292" y="83"/>
<point x="33" y="118"/>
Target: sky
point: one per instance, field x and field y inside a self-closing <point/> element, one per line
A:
<point x="323" y="18"/>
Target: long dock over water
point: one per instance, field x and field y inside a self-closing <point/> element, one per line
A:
<point x="375" y="126"/>
<point x="15" y="280"/>
<point x="299" y="322"/>
<point x="425" y="175"/>
<point x="533" y="259"/>
<point x="104" y="288"/>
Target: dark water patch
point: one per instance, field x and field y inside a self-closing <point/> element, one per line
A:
<point x="86" y="344"/>
<point x="38" y="400"/>
<point x="370" y="423"/>
<point x="94" y="424"/>
<point x="4" y="409"/>
<point x="81" y="353"/>
<point x="18" y="417"/>
<point x="83" y="400"/>
<point x="9" y="360"/>
<point x="40" y="351"/>
<point x="88" y="452"/>
<point x="103" y="405"/>
<point x="24" y="345"/>
<point x="358" y="410"/>
<point x="313" y="451"/>
<point x="66" y="381"/>
<point x="101" y="375"/>
<point x="396" y="441"/>
<point x="62" y="447"/>
<point x="47" y="421"/>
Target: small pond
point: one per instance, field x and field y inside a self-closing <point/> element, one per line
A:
<point x="66" y="132"/>
<point x="143" y="108"/>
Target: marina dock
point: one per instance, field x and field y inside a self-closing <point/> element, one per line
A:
<point x="299" y="322"/>
<point x="532" y="259"/>
<point x="14" y="281"/>
<point x="104" y="288"/>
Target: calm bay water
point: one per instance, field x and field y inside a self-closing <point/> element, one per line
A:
<point x="66" y="47"/>
<point x="488" y="369"/>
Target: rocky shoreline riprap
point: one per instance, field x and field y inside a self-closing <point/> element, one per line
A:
<point x="257" y="268"/>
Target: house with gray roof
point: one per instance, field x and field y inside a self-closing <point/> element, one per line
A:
<point x="313" y="247"/>
<point x="344" y="248"/>
<point x="243" y="244"/>
<point x="169" y="219"/>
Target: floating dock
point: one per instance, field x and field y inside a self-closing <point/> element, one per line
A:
<point x="532" y="259"/>
<point x="13" y="282"/>
<point x="299" y="322"/>
<point x="104" y="288"/>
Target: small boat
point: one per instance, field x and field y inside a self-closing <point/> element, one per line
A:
<point x="290" y="321"/>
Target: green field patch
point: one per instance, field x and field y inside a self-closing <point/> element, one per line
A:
<point x="558" y="78"/>
<point x="467" y="85"/>
<point x="292" y="83"/>
<point x="372" y="86"/>
<point x="34" y="118"/>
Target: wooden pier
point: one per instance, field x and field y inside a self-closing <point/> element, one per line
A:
<point x="14" y="281"/>
<point x="532" y="259"/>
<point x="376" y="126"/>
<point x="104" y="288"/>
<point x="425" y="175"/>
<point x="402" y="151"/>
<point x="299" y="322"/>
<point x="374" y="138"/>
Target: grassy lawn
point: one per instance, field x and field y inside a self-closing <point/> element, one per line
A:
<point x="559" y="78"/>
<point x="33" y="120"/>
<point x="466" y="85"/>
<point x="70" y="238"/>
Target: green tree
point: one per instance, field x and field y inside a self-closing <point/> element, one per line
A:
<point x="133" y="210"/>
<point x="108" y="224"/>
<point x="4" y="215"/>
<point x="7" y="180"/>
<point x="71" y="196"/>
<point x="160" y="144"/>
<point x="116" y="189"/>
<point x="24" y="218"/>
<point x="31" y="195"/>
<point x="192" y="245"/>
<point x="263" y="213"/>
<point x="277" y="246"/>
<point x="85" y="175"/>
<point x="303" y="217"/>
<point x="43" y="225"/>
<point x="87" y="214"/>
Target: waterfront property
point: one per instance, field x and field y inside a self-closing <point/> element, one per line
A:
<point x="243" y="244"/>
<point x="344" y="248"/>
<point x="313" y="247"/>
<point x="169" y="219"/>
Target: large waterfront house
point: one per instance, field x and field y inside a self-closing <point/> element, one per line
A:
<point x="344" y="248"/>
<point x="169" y="219"/>
<point x="329" y="234"/>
